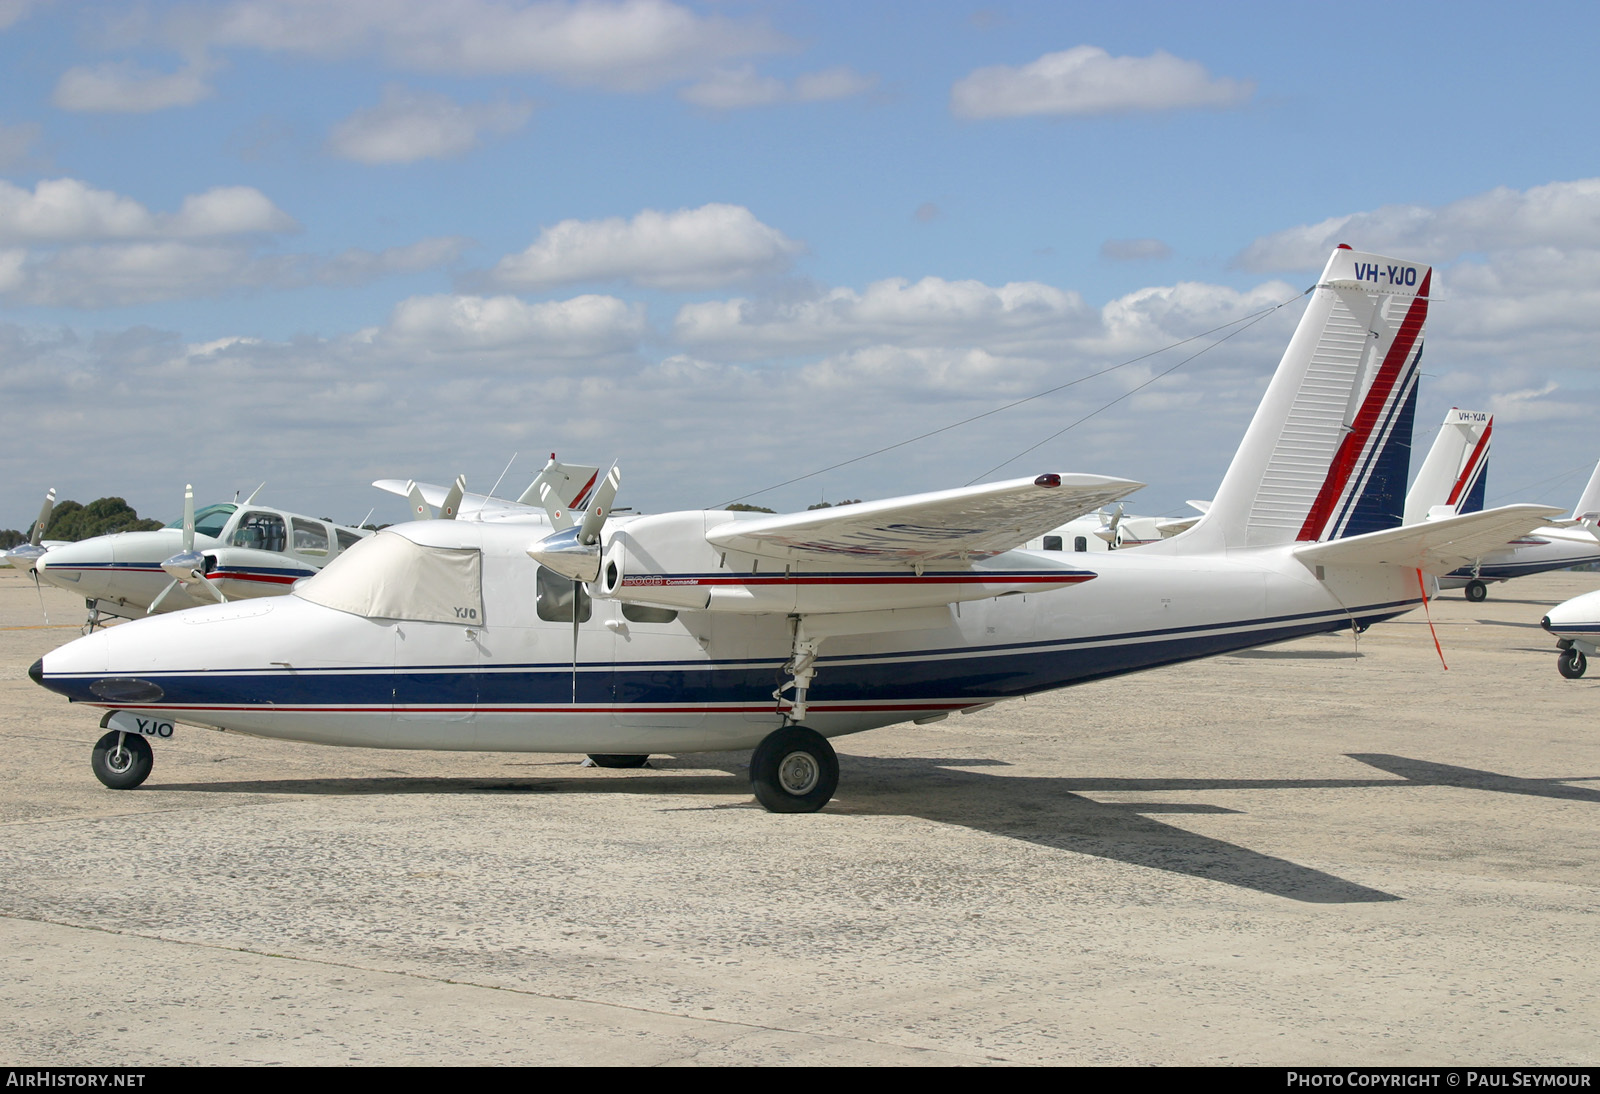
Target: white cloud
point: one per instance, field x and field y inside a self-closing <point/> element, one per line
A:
<point x="688" y="249"/>
<point x="585" y="326"/>
<point x="624" y="45"/>
<point x="1560" y="214"/>
<point x="125" y="88"/>
<point x="117" y="275"/>
<point x="1086" y="80"/>
<point x="742" y="87"/>
<point x="411" y="125"/>
<point x="930" y="311"/>
<point x="59" y="210"/>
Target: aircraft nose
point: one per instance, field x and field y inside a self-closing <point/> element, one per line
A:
<point x="36" y="672"/>
<point x="1545" y="623"/>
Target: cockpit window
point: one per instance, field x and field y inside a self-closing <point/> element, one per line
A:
<point x="262" y="531"/>
<point x="386" y="576"/>
<point x="310" y="537"/>
<point x="209" y="521"/>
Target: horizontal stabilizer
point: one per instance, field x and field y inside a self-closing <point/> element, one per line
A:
<point x="967" y="523"/>
<point x="1435" y="546"/>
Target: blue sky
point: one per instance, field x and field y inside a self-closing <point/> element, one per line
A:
<point x="728" y="243"/>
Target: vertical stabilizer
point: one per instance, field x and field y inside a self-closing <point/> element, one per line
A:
<point x="1329" y="449"/>
<point x="1589" y="504"/>
<point x="1456" y="469"/>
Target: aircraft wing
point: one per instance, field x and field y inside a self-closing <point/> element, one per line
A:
<point x="471" y="504"/>
<point x="1169" y="528"/>
<point x="1437" y="546"/>
<point x="970" y="522"/>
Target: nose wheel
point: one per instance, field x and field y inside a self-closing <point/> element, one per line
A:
<point x="122" y="760"/>
<point x="1572" y="663"/>
<point x="794" y="770"/>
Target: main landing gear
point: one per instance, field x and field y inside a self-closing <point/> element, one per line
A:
<point x="1477" y="591"/>
<point x="794" y="769"/>
<point x="122" y="760"/>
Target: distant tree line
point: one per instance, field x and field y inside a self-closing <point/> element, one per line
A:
<point x="71" y="521"/>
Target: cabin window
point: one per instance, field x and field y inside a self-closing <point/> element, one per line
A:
<point x="1052" y="543"/>
<point x="644" y="613"/>
<point x="387" y="576"/>
<point x="209" y="521"/>
<point x="262" y="531"/>
<point x="310" y="537"/>
<point x="555" y="596"/>
<point x="347" y="540"/>
<point x="1080" y="543"/>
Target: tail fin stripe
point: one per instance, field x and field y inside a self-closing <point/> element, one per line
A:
<point x="1350" y="449"/>
<point x="1392" y="417"/>
<point x="1474" y="466"/>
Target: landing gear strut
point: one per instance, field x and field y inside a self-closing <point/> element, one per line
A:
<point x="122" y="760"/>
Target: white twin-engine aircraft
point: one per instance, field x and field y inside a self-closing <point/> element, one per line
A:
<point x="1452" y="480"/>
<point x="705" y="631"/>
<point x="223" y="552"/>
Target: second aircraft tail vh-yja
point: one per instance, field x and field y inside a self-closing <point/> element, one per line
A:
<point x="713" y="630"/>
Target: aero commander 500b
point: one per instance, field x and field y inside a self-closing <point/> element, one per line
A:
<point x="713" y="630"/>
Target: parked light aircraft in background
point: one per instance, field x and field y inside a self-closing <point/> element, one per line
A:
<point x="1452" y="480"/>
<point x="244" y="550"/>
<point x="1113" y="531"/>
<point x="247" y="550"/>
<point x="706" y="630"/>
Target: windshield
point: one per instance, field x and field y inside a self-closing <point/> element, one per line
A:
<point x="210" y="520"/>
<point x="386" y="576"/>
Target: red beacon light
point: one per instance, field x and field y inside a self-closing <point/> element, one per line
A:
<point x="1051" y="479"/>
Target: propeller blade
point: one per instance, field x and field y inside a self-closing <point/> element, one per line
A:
<point x="419" y="507"/>
<point x="205" y="582"/>
<point x="156" y="603"/>
<point x="600" y="508"/>
<point x="44" y="517"/>
<point x="452" y="500"/>
<point x="188" y="518"/>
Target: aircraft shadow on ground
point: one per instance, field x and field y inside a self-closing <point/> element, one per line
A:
<point x="1043" y="810"/>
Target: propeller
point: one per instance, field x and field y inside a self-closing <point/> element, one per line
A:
<point x="421" y="510"/>
<point x="452" y="500"/>
<point x="25" y="555"/>
<point x="574" y="551"/>
<point x="187" y="566"/>
<point x="1108" y="527"/>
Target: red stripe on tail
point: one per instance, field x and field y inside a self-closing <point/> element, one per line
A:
<point x="1349" y="453"/>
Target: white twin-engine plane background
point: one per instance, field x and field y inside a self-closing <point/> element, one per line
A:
<point x="702" y="631"/>
<point x="1452" y="480"/>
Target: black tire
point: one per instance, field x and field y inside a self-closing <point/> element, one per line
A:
<point x="794" y="770"/>
<point x="1477" y="591"/>
<point x="607" y="759"/>
<point x="122" y="765"/>
<point x="1572" y="664"/>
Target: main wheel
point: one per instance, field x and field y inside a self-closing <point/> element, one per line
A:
<point x="794" y="770"/>
<point x="1572" y="664"/>
<point x="122" y="760"/>
<point x="1477" y="591"/>
<point x="607" y="759"/>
